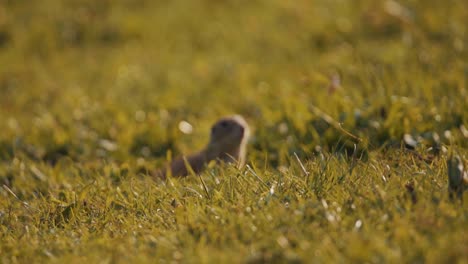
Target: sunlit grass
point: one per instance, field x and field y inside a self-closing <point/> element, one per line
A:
<point x="355" y="107"/>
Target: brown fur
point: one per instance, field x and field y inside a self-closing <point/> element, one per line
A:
<point x="228" y="141"/>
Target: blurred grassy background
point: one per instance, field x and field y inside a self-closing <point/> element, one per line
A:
<point x="100" y="85"/>
<point x="78" y="71"/>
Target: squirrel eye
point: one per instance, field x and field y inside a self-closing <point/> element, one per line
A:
<point x="224" y="124"/>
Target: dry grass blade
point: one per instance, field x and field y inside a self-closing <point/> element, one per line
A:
<point x="193" y="174"/>
<point x="306" y="173"/>
<point x="25" y="204"/>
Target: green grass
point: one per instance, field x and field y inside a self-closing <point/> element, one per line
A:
<point x="91" y="94"/>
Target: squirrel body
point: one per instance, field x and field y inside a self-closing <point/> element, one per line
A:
<point x="228" y="142"/>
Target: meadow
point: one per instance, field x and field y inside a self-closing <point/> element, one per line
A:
<point x="358" y="112"/>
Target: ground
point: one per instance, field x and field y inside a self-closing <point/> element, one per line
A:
<point x="357" y="110"/>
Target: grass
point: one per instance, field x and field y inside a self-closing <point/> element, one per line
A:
<point x="92" y="93"/>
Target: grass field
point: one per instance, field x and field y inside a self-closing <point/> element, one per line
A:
<point x="369" y="96"/>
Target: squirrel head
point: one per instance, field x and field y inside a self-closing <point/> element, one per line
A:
<point x="229" y="133"/>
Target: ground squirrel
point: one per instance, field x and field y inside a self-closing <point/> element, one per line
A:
<point x="228" y="140"/>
